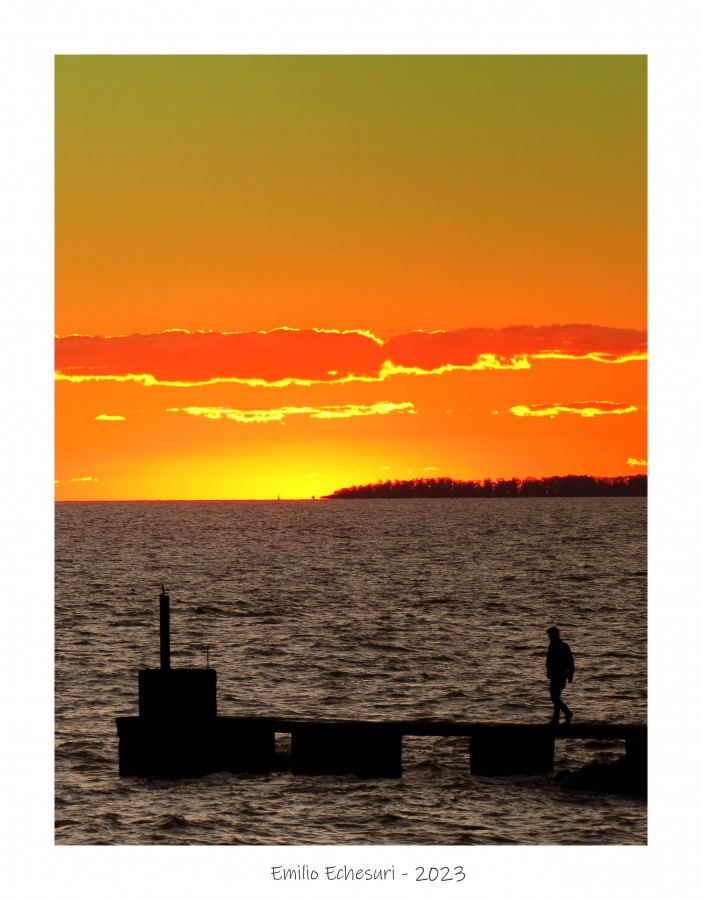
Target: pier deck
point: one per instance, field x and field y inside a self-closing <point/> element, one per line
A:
<point x="596" y="731"/>
<point x="368" y="748"/>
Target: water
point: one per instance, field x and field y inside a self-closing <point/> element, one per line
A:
<point x="351" y="609"/>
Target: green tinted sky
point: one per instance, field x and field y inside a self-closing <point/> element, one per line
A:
<point x="386" y="192"/>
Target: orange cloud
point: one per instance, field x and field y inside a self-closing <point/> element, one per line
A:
<point x="482" y="362"/>
<point x="105" y="418"/>
<point x="248" y="416"/>
<point x="586" y="409"/>
<point x="287" y="356"/>
<point x="467" y="346"/>
<point x="76" y="480"/>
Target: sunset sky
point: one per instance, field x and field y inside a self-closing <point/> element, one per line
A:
<point x="285" y="275"/>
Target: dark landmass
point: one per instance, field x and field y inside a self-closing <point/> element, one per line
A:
<point x="554" y="486"/>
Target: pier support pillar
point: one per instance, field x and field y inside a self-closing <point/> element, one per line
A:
<point x="245" y="746"/>
<point x="517" y="750"/>
<point x="165" y="748"/>
<point x="365" y="750"/>
<point x="637" y="754"/>
<point x="190" y="748"/>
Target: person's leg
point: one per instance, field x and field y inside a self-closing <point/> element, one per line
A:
<point x="555" y="688"/>
<point x="561" y="704"/>
<point x="568" y="713"/>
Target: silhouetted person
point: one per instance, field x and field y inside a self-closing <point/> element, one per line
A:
<point x="560" y="667"/>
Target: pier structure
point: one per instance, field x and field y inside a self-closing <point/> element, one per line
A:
<point x="179" y="734"/>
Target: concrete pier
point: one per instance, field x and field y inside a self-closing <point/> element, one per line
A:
<point x="177" y="747"/>
<point x="365" y="749"/>
<point x="178" y="734"/>
<point x="183" y="693"/>
<point x="511" y="750"/>
<point x="374" y="749"/>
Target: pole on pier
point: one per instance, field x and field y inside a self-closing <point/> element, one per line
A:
<point x="165" y="624"/>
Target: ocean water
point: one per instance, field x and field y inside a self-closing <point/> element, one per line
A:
<point x="374" y="609"/>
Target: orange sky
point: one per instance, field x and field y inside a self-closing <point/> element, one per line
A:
<point x="284" y="275"/>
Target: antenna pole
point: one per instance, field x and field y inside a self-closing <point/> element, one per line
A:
<point x="165" y="624"/>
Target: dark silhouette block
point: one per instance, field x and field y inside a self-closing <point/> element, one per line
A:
<point x="177" y="745"/>
<point x="244" y="746"/>
<point x="506" y="750"/>
<point x="187" y="693"/>
<point x="165" y="747"/>
<point x="177" y="733"/>
<point x="181" y="748"/>
<point x="637" y="751"/>
<point x="364" y="749"/>
<point x="174" y="735"/>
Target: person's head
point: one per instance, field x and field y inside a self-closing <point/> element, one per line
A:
<point x="553" y="633"/>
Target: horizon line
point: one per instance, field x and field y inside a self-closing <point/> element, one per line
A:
<point x="316" y="498"/>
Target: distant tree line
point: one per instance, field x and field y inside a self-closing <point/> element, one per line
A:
<point x="554" y="486"/>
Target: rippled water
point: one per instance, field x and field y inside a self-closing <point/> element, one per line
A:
<point x="351" y="609"/>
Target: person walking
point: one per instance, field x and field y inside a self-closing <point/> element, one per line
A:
<point x="560" y="668"/>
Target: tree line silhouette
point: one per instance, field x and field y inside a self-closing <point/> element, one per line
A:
<point x="553" y="486"/>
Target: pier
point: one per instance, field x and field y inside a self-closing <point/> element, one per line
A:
<point x="367" y="749"/>
<point x="178" y="734"/>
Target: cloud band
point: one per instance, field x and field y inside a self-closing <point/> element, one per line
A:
<point x="287" y="356"/>
<point x="587" y="409"/>
<point x="250" y="416"/>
